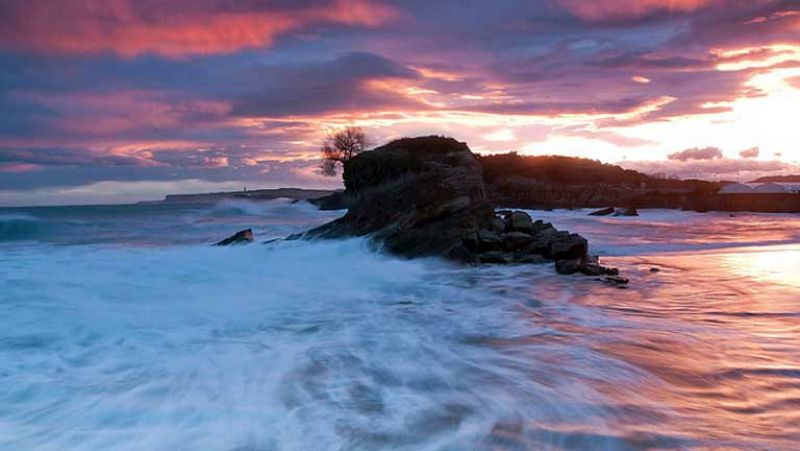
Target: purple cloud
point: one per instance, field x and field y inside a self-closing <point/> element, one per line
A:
<point x="752" y="152"/>
<point x="706" y="153"/>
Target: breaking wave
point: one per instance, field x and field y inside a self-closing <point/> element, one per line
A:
<point x="329" y="345"/>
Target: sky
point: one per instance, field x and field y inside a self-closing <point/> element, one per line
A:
<point x="108" y="101"/>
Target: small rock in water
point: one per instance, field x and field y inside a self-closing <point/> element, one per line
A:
<point x="603" y="212"/>
<point x="654" y="269"/>
<point x="570" y="266"/>
<point x="630" y="211"/>
<point x="616" y="280"/>
<point x="240" y="237"/>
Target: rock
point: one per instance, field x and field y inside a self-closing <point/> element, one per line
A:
<point x="494" y="257"/>
<point x="630" y="211"/>
<point x="568" y="266"/>
<point x="336" y="201"/>
<point x="522" y="257"/>
<point x="461" y="253"/>
<point x="521" y="222"/>
<point x="566" y="246"/>
<point x="591" y="267"/>
<point x="426" y="197"/>
<point x="514" y="241"/>
<point x="240" y="237"/>
<point x="654" y="269"/>
<point x="616" y="280"/>
<point x="488" y="240"/>
<point x="603" y="212"/>
<point x="497" y="225"/>
<point x="418" y="196"/>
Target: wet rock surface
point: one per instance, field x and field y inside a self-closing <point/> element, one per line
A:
<point x="603" y="212"/>
<point x="630" y="211"/>
<point x="240" y="237"/>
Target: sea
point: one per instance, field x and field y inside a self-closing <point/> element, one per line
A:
<point x="123" y="328"/>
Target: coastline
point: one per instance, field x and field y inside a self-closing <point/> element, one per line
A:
<point x="297" y="194"/>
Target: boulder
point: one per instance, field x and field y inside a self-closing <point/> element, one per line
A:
<point x="630" y="211"/>
<point x="591" y="267"/>
<point x="603" y="212"/>
<point x="240" y="237"/>
<point x="519" y="221"/>
<point x="566" y="246"/>
<point x="488" y="240"/>
<point x="497" y="225"/>
<point x="494" y="257"/>
<point x="568" y="266"/>
<point x="616" y="280"/>
<point x="515" y="241"/>
<point x="526" y="258"/>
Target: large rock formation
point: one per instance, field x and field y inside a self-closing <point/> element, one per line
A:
<point x="419" y="196"/>
<point x="425" y="197"/>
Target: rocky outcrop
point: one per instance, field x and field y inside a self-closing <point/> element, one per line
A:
<point x="416" y="196"/>
<point x="425" y="197"/>
<point x="337" y="200"/>
<point x="240" y="237"/>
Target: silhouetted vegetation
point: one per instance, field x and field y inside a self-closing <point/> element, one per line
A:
<point x="778" y="179"/>
<point x="339" y="147"/>
<point x="557" y="169"/>
<point x="561" y="170"/>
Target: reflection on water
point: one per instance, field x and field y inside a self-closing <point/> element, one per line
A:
<point x="775" y="264"/>
<point x="719" y="338"/>
<point x="327" y="345"/>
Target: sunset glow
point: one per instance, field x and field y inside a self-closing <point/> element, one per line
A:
<point x="119" y="91"/>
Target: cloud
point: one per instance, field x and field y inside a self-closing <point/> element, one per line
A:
<point x="752" y="152"/>
<point x="602" y="10"/>
<point x="174" y="28"/>
<point x="353" y="81"/>
<point x="716" y="169"/>
<point x="707" y="153"/>
<point x="131" y="89"/>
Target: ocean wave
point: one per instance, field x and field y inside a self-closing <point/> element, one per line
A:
<point x="15" y="227"/>
<point x="273" y="207"/>
<point x="303" y="345"/>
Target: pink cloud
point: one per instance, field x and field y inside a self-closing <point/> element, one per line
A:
<point x="175" y="28"/>
<point x="716" y="169"/>
<point x="752" y="152"/>
<point x="598" y="10"/>
<point x="18" y="167"/>
<point x="707" y="153"/>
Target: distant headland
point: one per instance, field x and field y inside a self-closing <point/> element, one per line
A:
<point x="549" y="182"/>
<point x="299" y="194"/>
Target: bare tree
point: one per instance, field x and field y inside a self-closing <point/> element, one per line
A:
<point x="341" y="146"/>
